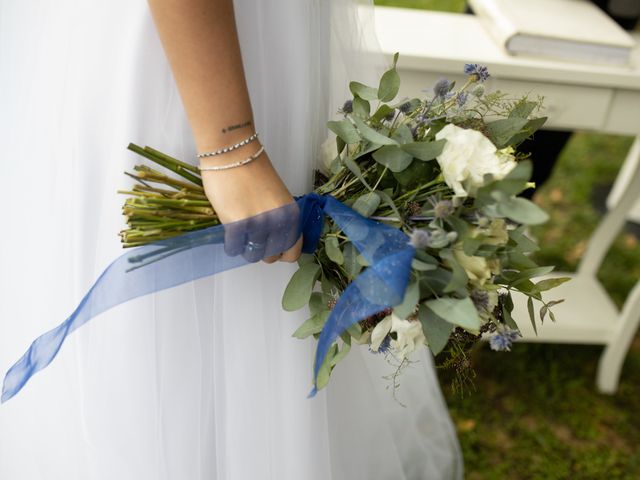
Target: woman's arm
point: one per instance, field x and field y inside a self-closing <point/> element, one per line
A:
<point x="201" y="43"/>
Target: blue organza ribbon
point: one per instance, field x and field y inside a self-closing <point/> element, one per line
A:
<point x="194" y="255"/>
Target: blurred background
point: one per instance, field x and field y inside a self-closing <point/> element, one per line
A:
<point x="535" y="413"/>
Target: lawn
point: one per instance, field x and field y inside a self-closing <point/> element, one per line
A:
<point x="535" y="413"/>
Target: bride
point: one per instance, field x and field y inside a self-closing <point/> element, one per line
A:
<point x="202" y="381"/>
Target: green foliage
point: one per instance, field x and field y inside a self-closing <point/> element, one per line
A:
<point x="389" y="168"/>
<point x="298" y="290"/>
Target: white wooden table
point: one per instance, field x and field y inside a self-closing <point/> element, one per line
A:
<point x="434" y="45"/>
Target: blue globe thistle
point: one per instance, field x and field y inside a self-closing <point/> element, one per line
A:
<point x="347" y="107"/>
<point x="443" y="208"/>
<point x="405" y="107"/>
<point x="419" y="238"/>
<point x="442" y="88"/>
<point x="479" y="71"/>
<point x="503" y="338"/>
<point x="385" y="345"/>
<point x="462" y="98"/>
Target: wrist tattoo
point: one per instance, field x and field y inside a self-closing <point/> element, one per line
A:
<point x="236" y="126"/>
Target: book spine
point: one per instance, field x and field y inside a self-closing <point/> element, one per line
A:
<point x="497" y="23"/>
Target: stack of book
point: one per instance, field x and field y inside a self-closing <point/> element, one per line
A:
<point x="572" y="30"/>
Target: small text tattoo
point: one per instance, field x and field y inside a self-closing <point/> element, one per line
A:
<point x="236" y="126"/>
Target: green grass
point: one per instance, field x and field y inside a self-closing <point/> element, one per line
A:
<point x="440" y="5"/>
<point x="535" y="413"/>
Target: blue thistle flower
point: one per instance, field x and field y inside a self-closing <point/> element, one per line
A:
<point x="442" y="88"/>
<point x="419" y="238"/>
<point x="347" y="107"/>
<point x="405" y="107"/>
<point x="502" y="339"/>
<point x="385" y="345"/>
<point x="479" y="71"/>
<point x="462" y="98"/>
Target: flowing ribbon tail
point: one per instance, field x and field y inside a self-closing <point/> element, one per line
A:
<point x="168" y="263"/>
<point x="172" y="262"/>
<point x="380" y="286"/>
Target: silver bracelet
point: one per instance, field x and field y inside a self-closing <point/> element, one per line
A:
<point x="229" y="148"/>
<point x="234" y="164"/>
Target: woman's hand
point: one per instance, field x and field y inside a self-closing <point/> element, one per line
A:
<point x="244" y="191"/>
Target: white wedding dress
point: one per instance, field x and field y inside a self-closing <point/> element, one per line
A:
<point x="202" y="381"/>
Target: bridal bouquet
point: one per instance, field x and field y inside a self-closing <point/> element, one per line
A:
<point x="444" y="171"/>
<point x="414" y="237"/>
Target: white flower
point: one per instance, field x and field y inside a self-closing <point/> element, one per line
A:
<point x="467" y="157"/>
<point x="328" y="153"/>
<point x="409" y="335"/>
<point x="380" y="331"/>
<point x="478" y="269"/>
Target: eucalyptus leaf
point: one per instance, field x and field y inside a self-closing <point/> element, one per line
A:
<point x="351" y="265"/>
<point x="424" y="151"/>
<point x="393" y="157"/>
<point x="459" y="312"/>
<point x="522" y="210"/>
<point x="422" y="266"/>
<point x="459" y="278"/>
<point x="381" y="113"/>
<point x="362" y="261"/>
<point x="317" y="302"/>
<point x="416" y="174"/>
<point x="386" y="198"/>
<point x="298" y="291"/>
<point x="434" y="281"/>
<point x="325" y="369"/>
<point x="355" y="169"/>
<point x="312" y="326"/>
<point x="389" y="85"/>
<point x="523" y="109"/>
<point x="370" y="134"/>
<point x="361" y="108"/>
<point x="525" y="244"/>
<point x="516" y="180"/>
<point x="501" y="131"/>
<point x="332" y="247"/>
<point x="346" y="346"/>
<point x="368" y="148"/>
<point x="425" y="257"/>
<point x="435" y="328"/>
<point x="402" y="134"/>
<point x="366" y="204"/>
<point x="345" y="130"/>
<point x="305" y="258"/>
<point x="363" y="91"/>
<point x="409" y="302"/>
<point x="529" y="129"/>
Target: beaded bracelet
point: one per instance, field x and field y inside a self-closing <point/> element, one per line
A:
<point x="229" y="148"/>
<point x="234" y="164"/>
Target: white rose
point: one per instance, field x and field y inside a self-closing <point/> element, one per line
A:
<point x="409" y="335"/>
<point x="328" y="153"/>
<point x="467" y="157"/>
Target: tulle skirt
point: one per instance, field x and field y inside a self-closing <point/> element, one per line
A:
<point x="202" y="381"/>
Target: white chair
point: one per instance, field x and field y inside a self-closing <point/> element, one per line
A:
<point x="598" y="98"/>
<point x="588" y="315"/>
